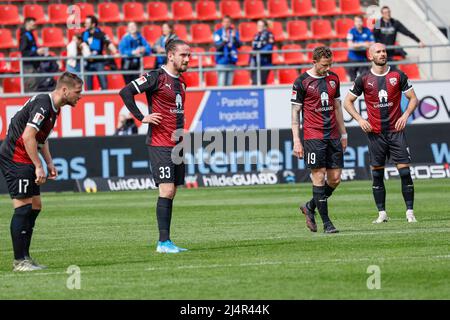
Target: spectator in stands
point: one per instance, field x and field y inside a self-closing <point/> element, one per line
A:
<point x="160" y="44"/>
<point x="134" y="46"/>
<point x="76" y="48"/>
<point x="385" y="31"/>
<point x="359" y="39"/>
<point x="263" y="41"/>
<point x="97" y="41"/>
<point x="28" y="48"/>
<point x="227" y="42"/>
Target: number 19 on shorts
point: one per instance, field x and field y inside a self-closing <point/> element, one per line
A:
<point x="311" y="158"/>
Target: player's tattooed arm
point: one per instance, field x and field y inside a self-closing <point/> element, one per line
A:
<point x="349" y="105"/>
<point x="298" y="148"/>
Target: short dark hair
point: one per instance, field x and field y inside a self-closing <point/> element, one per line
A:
<point x="29" y="19"/>
<point x="322" y="52"/>
<point x="384" y="7"/>
<point x="68" y="79"/>
<point x="171" y="44"/>
<point x="169" y="24"/>
<point x="94" y="20"/>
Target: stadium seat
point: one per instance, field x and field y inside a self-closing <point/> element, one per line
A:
<point x="157" y="11"/>
<point x="3" y="64"/>
<point x="115" y="81"/>
<point x="149" y="62"/>
<point x="298" y="30"/>
<point x="326" y="7"/>
<point x="254" y="9"/>
<point x="109" y="32"/>
<point x="36" y="11"/>
<point x="71" y="32"/>
<point x="57" y="13"/>
<point x="86" y="9"/>
<point x="351" y="7"/>
<point x="411" y="70"/>
<point x="194" y="61"/>
<point x="295" y="57"/>
<point x="121" y="31"/>
<point x="211" y="78"/>
<point x="181" y="31"/>
<point x="108" y="12"/>
<point x="247" y="31"/>
<point x="277" y="30"/>
<point x="151" y="32"/>
<point x="206" y="10"/>
<point x="63" y="61"/>
<point x="15" y="65"/>
<point x="271" y="77"/>
<point x="311" y="46"/>
<point x="277" y="58"/>
<point x="342" y="74"/>
<point x="321" y="29"/>
<point x="342" y="26"/>
<point x="133" y="11"/>
<point x="7" y="41"/>
<point x="278" y="9"/>
<point x="192" y="79"/>
<point x="11" y="85"/>
<point x="242" y="78"/>
<point x="303" y="8"/>
<point x="339" y="55"/>
<point x="231" y="8"/>
<point x="287" y="76"/>
<point x="182" y="10"/>
<point x="9" y="14"/>
<point x="244" y="58"/>
<point x="201" y="33"/>
<point x="53" y="37"/>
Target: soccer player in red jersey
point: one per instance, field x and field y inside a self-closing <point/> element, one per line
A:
<point x="165" y="90"/>
<point x="383" y="88"/>
<point x="316" y="94"/>
<point x="21" y="166"/>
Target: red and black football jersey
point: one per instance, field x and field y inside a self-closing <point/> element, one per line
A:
<point x="383" y="95"/>
<point x="317" y="95"/>
<point x="39" y="113"/>
<point x="165" y="95"/>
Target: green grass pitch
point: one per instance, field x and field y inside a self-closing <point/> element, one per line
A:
<point x="245" y="243"/>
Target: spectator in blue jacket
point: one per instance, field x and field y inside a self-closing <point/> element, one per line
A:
<point x="263" y="41"/>
<point x="359" y="39"/>
<point x="160" y="45"/>
<point x="226" y="40"/>
<point x="134" y="46"/>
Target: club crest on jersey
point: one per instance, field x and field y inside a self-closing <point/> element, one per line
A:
<point x="294" y="95"/>
<point x="38" y="118"/>
<point x="333" y="84"/>
<point x="393" y="81"/>
<point x="141" y="80"/>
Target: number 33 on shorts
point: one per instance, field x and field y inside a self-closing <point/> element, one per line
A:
<point x="164" y="172"/>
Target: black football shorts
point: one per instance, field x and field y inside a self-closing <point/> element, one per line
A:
<point x="389" y="145"/>
<point x="323" y="153"/>
<point x="20" y="179"/>
<point x="164" y="170"/>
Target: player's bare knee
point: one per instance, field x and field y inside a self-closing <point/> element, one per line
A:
<point x="167" y="191"/>
<point x="37" y="203"/>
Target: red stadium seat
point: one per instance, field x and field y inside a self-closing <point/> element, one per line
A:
<point x="11" y="85"/>
<point x="211" y="60"/>
<point x="271" y="77"/>
<point x="15" y="65"/>
<point x="351" y="7"/>
<point x="293" y="57"/>
<point x="244" y="58"/>
<point x="53" y="37"/>
<point x="115" y="81"/>
<point x="341" y="73"/>
<point x="151" y="32"/>
<point x="7" y="41"/>
<point x="133" y="11"/>
<point x="312" y="46"/>
<point x="411" y="70"/>
<point x="109" y="32"/>
<point x="201" y="33"/>
<point x="86" y="9"/>
<point x="303" y="8"/>
<point x="3" y="64"/>
<point x="194" y="61"/>
<point x="326" y="7"/>
<point x="339" y="55"/>
<point x="211" y="78"/>
<point x="108" y="12"/>
<point x="192" y="79"/>
<point x="206" y="10"/>
<point x="321" y="29"/>
<point x="287" y="76"/>
<point x="298" y="30"/>
<point x="121" y="32"/>
<point x="157" y="11"/>
<point x="242" y="78"/>
<point x="9" y="14"/>
<point x="182" y="10"/>
<point x="230" y="8"/>
<point x="278" y="9"/>
<point x="277" y="58"/>
<point x="181" y="31"/>
<point x="72" y="32"/>
<point x="342" y="26"/>
<point x="36" y="11"/>
<point x="277" y="30"/>
<point x="149" y="62"/>
<point x="254" y="9"/>
<point x="247" y="31"/>
<point x="57" y="13"/>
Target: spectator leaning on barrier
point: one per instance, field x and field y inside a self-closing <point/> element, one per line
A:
<point x="359" y="39"/>
<point x="134" y="46"/>
<point x="226" y="40"/>
<point x="263" y="41"/>
<point x="76" y="48"/>
<point x="385" y="31"/>
<point x="28" y="48"/>
<point x="97" y="40"/>
<point x="160" y="45"/>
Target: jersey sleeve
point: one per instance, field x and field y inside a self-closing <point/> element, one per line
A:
<point x="298" y="93"/>
<point x="338" y="89"/>
<point x="38" y="114"/>
<point x="358" y="87"/>
<point x="146" y="83"/>
<point x="405" y="84"/>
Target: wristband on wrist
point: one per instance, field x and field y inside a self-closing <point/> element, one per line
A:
<point x="344" y="136"/>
